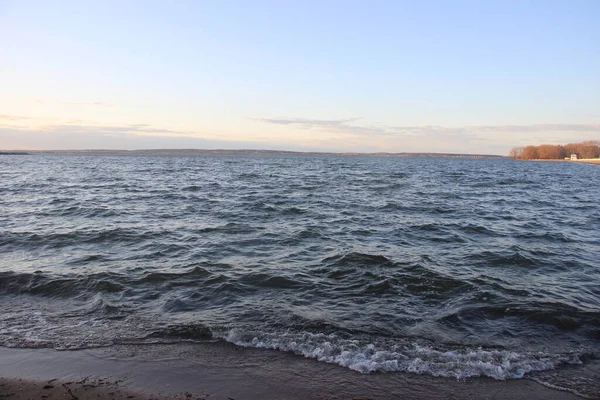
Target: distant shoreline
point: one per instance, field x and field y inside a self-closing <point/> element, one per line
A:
<point x="248" y="152"/>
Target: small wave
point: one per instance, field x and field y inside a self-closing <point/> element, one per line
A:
<point x="382" y="287"/>
<point x="358" y="259"/>
<point x="378" y="275"/>
<point x="158" y="277"/>
<point x="294" y="211"/>
<point x="65" y="239"/>
<point x="262" y="207"/>
<point x="457" y="363"/>
<point x="81" y="285"/>
<point x="270" y="281"/>
<point x="191" y="188"/>
<point x="475" y="229"/>
<point x="248" y="176"/>
<point x="546" y="236"/>
<point x="230" y="228"/>
<point x="99" y="306"/>
<point x="560" y="316"/>
<point x="514" y="258"/>
<point x="300" y="236"/>
<point x="183" y="332"/>
<point x="58" y="286"/>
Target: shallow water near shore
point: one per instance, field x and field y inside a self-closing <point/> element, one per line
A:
<point x="447" y="267"/>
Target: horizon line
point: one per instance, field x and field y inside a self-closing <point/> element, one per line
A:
<point x="244" y="150"/>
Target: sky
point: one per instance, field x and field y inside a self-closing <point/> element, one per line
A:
<point x="347" y="76"/>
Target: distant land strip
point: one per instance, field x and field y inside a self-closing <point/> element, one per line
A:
<point x="246" y="152"/>
<point x="588" y="150"/>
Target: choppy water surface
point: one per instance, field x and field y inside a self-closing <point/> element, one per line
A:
<point x="449" y="267"/>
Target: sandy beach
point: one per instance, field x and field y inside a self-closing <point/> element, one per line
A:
<point x="219" y="371"/>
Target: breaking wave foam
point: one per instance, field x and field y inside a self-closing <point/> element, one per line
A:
<point x="408" y="357"/>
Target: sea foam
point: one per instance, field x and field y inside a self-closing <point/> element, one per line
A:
<point x="365" y="357"/>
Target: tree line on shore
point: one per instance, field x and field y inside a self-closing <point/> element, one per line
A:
<point x="588" y="149"/>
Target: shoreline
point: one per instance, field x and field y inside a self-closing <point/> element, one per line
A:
<point x="222" y="371"/>
<point x="591" y="161"/>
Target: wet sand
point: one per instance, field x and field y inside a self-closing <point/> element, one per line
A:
<point x="86" y="388"/>
<point x="221" y="371"/>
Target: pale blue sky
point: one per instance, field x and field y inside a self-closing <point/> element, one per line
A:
<point x="468" y="76"/>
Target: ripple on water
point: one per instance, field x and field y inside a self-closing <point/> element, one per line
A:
<point x="448" y="267"/>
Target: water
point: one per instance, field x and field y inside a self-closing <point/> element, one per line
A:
<point x="450" y="267"/>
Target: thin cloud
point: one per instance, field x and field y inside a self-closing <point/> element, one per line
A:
<point x="88" y="103"/>
<point x="538" y="128"/>
<point x="74" y="103"/>
<point x="78" y="127"/>
<point x="136" y="129"/>
<point x="342" y="126"/>
<point x="305" y="122"/>
<point x="5" y="117"/>
<point x="347" y="126"/>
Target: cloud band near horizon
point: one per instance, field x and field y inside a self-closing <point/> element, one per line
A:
<point x="344" y="125"/>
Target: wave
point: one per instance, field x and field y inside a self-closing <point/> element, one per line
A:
<point x="365" y="357"/>
<point x="322" y="341"/>
<point x="58" y="286"/>
<point x="92" y="236"/>
<point x="87" y="285"/>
